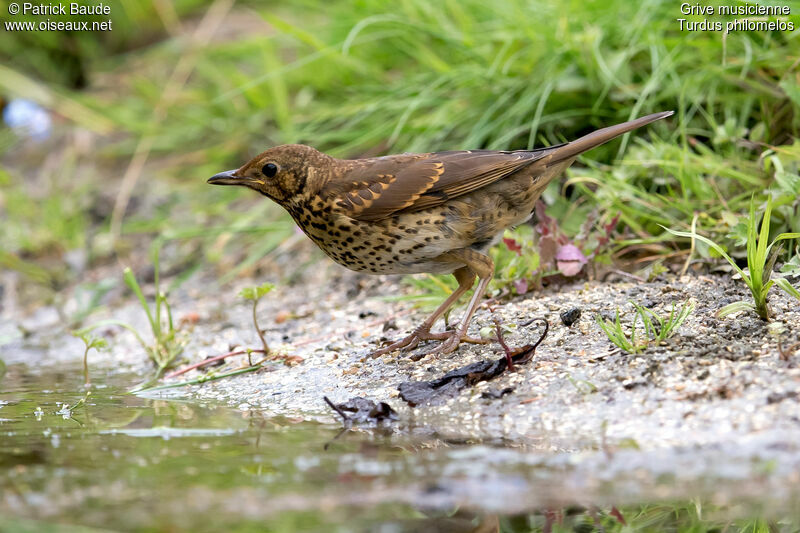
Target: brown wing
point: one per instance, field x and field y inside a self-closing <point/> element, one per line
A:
<point x="376" y="188"/>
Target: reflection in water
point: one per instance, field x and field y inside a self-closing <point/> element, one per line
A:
<point x="112" y="460"/>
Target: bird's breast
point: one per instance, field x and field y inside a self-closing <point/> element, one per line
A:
<point x="408" y="243"/>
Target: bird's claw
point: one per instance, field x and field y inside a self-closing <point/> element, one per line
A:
<point x="407" y="343"/>
<point x="450" y="341"/>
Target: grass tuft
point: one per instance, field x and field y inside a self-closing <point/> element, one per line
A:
<point x="654" y="327"/>
<point x="759" y="276"/>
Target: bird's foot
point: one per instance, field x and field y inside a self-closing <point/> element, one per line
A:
<point x="450" y="341"/>
<point x="422" y="333"/>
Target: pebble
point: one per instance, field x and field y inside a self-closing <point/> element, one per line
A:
<point x="659" y="399"/>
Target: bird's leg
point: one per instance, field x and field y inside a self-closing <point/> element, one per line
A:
<point x="465" y="277"/>
<point x="475" y="263"/>
<point x="483" y="266"/>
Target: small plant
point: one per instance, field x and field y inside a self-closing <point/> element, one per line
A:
<point x="654" y="327"/>
<point x="255" y="294"/>
<point x="250" y="293"/>
<point x="759" y="276"/>
<point x="517" y="262"/>
<point x="166" y="345"/>
<point x="617" y="335"/>
<point x="91" y="342"/>
<point x="663" y="328"/>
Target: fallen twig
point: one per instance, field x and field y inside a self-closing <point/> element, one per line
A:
<point x="336" y="408"/>
<point x="209" y="361"/>
<point x="202" y="379"/>
<point x="362" y="411"/>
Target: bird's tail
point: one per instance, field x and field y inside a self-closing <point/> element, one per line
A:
<point x="596" y="138"/>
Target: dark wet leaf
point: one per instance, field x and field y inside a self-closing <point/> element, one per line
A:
<point x="363" y="411"/>
<point x="437" y="391"/>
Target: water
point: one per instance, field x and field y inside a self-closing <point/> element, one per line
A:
<point x="115" y="461"/>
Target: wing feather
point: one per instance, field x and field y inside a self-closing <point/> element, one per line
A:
<point x="374" y="189"/>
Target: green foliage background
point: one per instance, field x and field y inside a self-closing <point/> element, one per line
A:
<point x="178" y="91"/>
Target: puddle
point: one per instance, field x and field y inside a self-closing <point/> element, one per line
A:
<point x="122" y="462"/>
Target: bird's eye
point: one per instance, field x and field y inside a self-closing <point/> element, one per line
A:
<point x="269" y="170"/>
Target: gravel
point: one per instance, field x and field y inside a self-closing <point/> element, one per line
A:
<point x="717" y="391"/>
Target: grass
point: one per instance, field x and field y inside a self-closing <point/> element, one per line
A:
<point x="167" y="344"/>
<point x="654" y="327"/>
<point x="166" y="106"/>
<point x="249" y="293"/>
<point x="759" y="276"/>
<point x="205" y="378"/>
<point x="678" y="517"/>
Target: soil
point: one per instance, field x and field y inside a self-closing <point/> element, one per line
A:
<point x="720" y="399"/>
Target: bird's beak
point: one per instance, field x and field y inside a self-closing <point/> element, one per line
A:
<point x="229" y="177"/>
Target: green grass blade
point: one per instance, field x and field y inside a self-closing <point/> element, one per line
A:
<point x="770" y="266"/>
<point x="713" y="245"/>
<point x="130" y="281"/>
<point x="751" y="235"/>
<point x="784" y="284"/>
<point x="157" y="284"/>
<point x="757" y="268"/>
<point x="783" y="237"/>
<point x="734" y="308"/>
<point x="672" y="325"/>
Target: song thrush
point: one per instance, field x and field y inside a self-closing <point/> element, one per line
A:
<point x="437" y="212"/>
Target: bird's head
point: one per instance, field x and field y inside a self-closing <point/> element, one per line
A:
<point x="280" y="173"/>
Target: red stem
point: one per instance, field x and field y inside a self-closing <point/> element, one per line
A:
<point x="205" y="362"/>
<point x="502" y="341"/>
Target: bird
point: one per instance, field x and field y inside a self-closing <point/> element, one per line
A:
<point x="436" y="212"/>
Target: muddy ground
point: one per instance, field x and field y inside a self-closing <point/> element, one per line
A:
<point x="719" y="400"/>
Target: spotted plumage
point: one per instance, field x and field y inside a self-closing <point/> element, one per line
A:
<point x="436" y="212"/>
